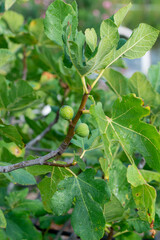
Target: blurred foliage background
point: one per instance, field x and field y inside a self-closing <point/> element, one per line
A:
<point x="92" y="12"/>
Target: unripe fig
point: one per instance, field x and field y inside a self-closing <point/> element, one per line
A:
<point x="66" y="112"/>
<point x="82" y="130"/>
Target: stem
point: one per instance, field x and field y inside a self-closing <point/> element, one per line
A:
<point x="86" y="112"/>
<point x="59" y="164"/>
<point x="42" y="134"/>
<point x="120" y="233"/>
<point x="69" y="170"/>
<point x="62" y="229"/>
<point x="84" y="84"/>
<point x="153" y="119"/>
<point x="96" y="80"/>
<point x="36" y="149"/>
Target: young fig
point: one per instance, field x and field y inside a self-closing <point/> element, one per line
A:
<point x="82" y="130"/>
<point x="66" y="112"/>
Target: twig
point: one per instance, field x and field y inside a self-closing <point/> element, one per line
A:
<point x="86" y="112"/>
<point x="120" y="233"/>
<point x="67" y="154"/>
<point x="36" y="149"/>
<point x="42" y="160"/>
<point x="73" y="236"/>
<point x="24" y="76"/>
<point x="59" y="164"/>
<point x="53" y="231"/>
<point x="42" y="134"/>
<point x="61" y="230"/>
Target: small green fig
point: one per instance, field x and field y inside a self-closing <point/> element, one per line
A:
<point x="66" y="112"/>
<point x="82" y="130"/>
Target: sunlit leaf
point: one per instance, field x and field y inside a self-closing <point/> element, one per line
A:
<point x="125" y="127"/>
<point x="120" y="14"/>
<point x="2" y="220"/>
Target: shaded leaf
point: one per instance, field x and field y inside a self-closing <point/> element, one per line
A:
<point x="118" y="182"/>
<point x="89" y="193"/>
<point x="117" y="82"/>
<point x="138" y="225"/>
<point x="88" y="144"/>
<point x="21" y="176"/>
<point x="32" y="207"/>
<point x="113" y="210"/>
<point x="5" y="56"/>
<point x="100" y="118"/>
<point x="80" y="162"/>
<point x="2" y="220"/>
<point x="139" y="85"/>
<point x="48" y="186"/>
<point x="3" y="235"/>
<point x="19" y="227"/>
<point x="39" y="170"/>
<point x="24" y="38"/>
<point x="19" y="96"/>
<point x="129" y="236"/>
<point x="154" y="76"/>
<point x="14" y="20"/>
<point x="15" y="198"/>
<point x="10" y="132"/>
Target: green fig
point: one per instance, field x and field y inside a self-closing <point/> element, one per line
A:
<point x="66" y="112"/>
<point x="82" y="130"/>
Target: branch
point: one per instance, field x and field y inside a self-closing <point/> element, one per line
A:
<point x="62" y="229"/>
<point x="36" y="149"/>
<point x="73" y="236"/>
<point x="42" y="160"/>
<point x="37" y="161"/>
<point x="42" y="134"/>
<point x="24" y="74"/>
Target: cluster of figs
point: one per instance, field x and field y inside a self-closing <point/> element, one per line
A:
<point x="67" y="113"/>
